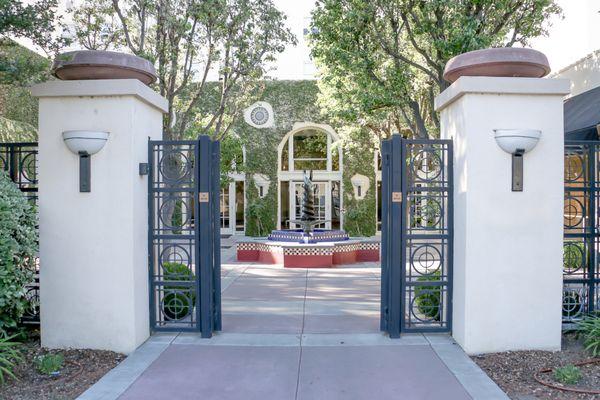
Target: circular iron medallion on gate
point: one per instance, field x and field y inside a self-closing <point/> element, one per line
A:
<point x="426" y="165"/>
<point x="573" y="167"/>
<point x="174" y="165"/>
<point x="27" y="168"/>
<point x="573" y="257"/>
<point x="426" y="260"/>
<point x="574" y="212"/>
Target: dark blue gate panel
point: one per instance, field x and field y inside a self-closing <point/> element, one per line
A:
<point x="174" y="277"/>
<point x="416" y="292"/>
<point x="581" y="275"/>
<point x="427" y="235"/>
<point x="184" y="250"/>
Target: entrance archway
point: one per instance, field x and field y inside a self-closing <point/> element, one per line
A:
<point x="313" y="147"/>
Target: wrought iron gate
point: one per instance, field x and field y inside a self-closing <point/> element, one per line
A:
<point x="581" y="275"/>
<point x="184" y="235"/>
<point x="416" y="282"/>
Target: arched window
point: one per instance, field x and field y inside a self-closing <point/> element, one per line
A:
<point x="309" y="149"/>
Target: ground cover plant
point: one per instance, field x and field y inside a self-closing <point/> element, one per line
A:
<point x="35" y="376"/>
<point x="568" y="375"/>
<point x="49" y="364"/>
<point x="10" y="355"/>
<point x="589" y="328"/>
<point x="519" y="373"/>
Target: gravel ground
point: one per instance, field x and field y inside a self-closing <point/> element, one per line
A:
<point x="82" y="368"/>
<point x="513" y="371"/>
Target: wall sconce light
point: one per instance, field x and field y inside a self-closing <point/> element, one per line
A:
<point x="262" y="183"/>
<point x="85" y="144"/>
<point x="517" y="142"/>
<point x="361" y="184"/>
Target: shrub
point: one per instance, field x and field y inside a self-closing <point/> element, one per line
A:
<point x="428" y="298"/>
<point x="49" y="364"/>
<point x="567" y="375"/>
<point x="589" y="327"/>
<point x="178" y="302"/>
<point x="18" y="247"/>
<point x="10" y="355"/>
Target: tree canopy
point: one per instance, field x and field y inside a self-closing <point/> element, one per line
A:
<point x="36" y="20"/>
<point x="382" y="61"/>
<point x="190" y="43"/>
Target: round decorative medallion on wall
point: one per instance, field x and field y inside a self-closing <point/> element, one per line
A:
<point x="259" y="115"/>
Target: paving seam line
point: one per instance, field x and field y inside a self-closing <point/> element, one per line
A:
<point x="301" y="335"/>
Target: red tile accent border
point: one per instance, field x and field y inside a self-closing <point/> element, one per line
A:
<point x="310" y="255"/>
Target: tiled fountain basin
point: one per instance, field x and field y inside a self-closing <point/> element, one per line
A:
<point x="308" y="255"/>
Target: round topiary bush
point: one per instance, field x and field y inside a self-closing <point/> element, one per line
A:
<point x="18" y="248"/>
<point x="178" y="302"/>
<point x="429" y="298"/>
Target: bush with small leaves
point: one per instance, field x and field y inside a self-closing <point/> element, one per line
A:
<point x="567" y="375"/>
<point x="18" y="247"/>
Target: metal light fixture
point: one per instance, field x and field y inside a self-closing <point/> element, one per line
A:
<point x="517" y="142"/>
<point x="361" y="184"/>
<point x="85" y="144"/>
<point x="262" y="183"/>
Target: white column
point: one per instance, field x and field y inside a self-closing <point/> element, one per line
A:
<point x="93" y="246"/>
<point x="507" y="245"/>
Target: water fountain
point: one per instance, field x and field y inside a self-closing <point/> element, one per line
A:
<point x="308" y="246"/>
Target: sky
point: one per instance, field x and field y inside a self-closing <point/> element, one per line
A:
<point x="571" y="38"/>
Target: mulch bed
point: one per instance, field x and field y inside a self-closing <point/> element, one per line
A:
<point x="514" y="371"/>
<point x="82" y="368"/>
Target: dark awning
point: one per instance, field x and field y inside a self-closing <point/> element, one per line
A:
<point x="582" y="114"/>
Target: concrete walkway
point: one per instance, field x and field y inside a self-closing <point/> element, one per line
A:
<point x="297" y="334"/>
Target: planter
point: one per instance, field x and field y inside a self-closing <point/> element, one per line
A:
<point x="95" y="64"/>
<point x="503" y="61"/>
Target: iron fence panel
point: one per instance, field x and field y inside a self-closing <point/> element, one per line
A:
<point x="581" y="246"/>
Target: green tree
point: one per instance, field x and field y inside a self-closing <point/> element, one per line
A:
<point x="36" y="20"/>
<point x="192" y="42"/>
<point x="19" y="68"/>
<point x="382" y="61"/>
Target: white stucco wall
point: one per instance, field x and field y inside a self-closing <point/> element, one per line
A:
<point x="508" y="245"/>
<point x="93" y="246"/>
<point x="583" y="74"/>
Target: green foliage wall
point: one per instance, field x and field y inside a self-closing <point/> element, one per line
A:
<point x="360" y="218"/>
<point x="292" y="102"/>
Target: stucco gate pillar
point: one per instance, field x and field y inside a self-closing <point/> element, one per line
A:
<point x="93" y="246"/>
<point x="507" y="244"/>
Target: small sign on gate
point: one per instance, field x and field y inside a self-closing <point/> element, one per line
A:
<point x="396" y="197"/>
<point x="203" y="197"/>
